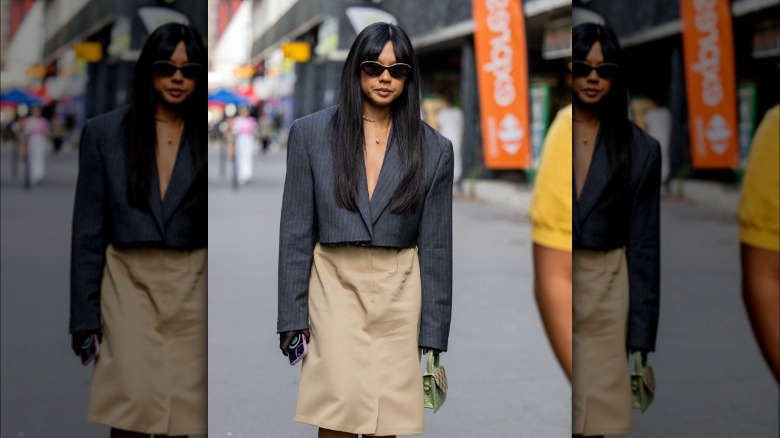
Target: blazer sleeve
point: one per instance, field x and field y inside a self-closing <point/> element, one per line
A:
<point x="434" y="244"/>
<point x="643" y="255"/>
<point x="297" y="236"/>
<point x="89" y="236"/>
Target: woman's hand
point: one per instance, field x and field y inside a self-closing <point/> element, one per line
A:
<point x="286" y="337"/>
<point x="78" y="338"/>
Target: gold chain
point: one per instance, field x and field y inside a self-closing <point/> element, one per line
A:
<point x="376" y="128"/>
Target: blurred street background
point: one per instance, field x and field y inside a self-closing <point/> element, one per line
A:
<point x="282" y="59"/>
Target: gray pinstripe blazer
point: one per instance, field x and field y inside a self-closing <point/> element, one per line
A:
<point x="310" y="214"/>
<point x="634" y="225"/>
<point x="102" y="214"/>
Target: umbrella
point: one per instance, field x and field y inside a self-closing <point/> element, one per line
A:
<point x="17" y="97"/>
<point x="225" y="96"/>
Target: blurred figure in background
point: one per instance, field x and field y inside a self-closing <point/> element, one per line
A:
<point x="265" y="130"/>
<point x="243" y="129"/>
<point x="450" y="120"/>
<point x="759" y="219"/>
<point x="36" y="141"/>
<point x="659" y="125"/>
<point x="140" y="233"/>
<point x="58" y="131"/>
<point x="551" y="234"/>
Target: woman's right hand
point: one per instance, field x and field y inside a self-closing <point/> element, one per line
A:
<point x="77" y="339"/>
<point x="286" y="337"/>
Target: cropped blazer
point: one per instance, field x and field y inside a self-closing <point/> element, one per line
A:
<point x="102" y="213"/>
<point x="632" y="224"/>
<point x="310" y="214"/>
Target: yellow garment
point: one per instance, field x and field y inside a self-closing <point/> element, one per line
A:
<point x="551" y="204"/>
<point x="759" y="207"/>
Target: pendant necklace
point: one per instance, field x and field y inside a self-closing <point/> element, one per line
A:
<point x="376" y="128"/>
<point x="169" y="140"/>
<point x="589" y="131"/>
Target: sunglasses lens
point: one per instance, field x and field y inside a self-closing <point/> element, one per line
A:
<point x="190" y="71"/>
<point x="372" y="69"/>
<point x="399" y="71"/>
<point x="580" y="69"/>
<point x="606" y="71"/>
<point x="167" y="69"/>
<point x="164" y="69"/>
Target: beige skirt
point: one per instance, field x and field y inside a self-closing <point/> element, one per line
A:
<point x="150" y="376"/>
<point x="601" y="391"/>
<point x="362" y="373"/>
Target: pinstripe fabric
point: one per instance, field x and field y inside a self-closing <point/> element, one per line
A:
<point x="634" y="226"/>
<point x="310" y="214"/>
<point x="103" y="215"/>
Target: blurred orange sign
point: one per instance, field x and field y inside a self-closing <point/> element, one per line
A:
<point x="89" y="51"/>
<point x="297" y="51"/>
<point x="502" y="76"/>
<point x="708" y="49"/>
<point x="244" y="71"/>
<point x="36" y="71"/>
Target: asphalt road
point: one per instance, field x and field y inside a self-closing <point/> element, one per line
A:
<point x="712" y="381"/>
<point x="504" y="380"/>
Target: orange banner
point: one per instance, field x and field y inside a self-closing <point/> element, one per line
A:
<point x="708" y="46"/>
<point x="502" y="76"/>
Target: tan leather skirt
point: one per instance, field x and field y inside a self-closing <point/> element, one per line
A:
<point x="150" y="376"/>
<point x="362" y="373"/>
<point x="601" y="391"/>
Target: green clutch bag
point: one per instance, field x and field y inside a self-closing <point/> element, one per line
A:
<point x="434" y="383"/>
<point x="642" y="384"/>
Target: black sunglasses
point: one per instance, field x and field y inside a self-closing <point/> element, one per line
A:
<point x="606" y="70"/>
<point x="397" y="70"/>
<point x="189" y="70"/>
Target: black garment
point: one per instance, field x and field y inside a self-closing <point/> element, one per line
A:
<point x="102" y="213"/>
<point x="632" y="224"/>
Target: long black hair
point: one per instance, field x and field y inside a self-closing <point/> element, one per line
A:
<point x="140" y="135"/>
<point x="347" y="135"/>
<point x="615" y="127"/>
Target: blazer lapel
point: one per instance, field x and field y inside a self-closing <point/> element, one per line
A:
<point x="362" y="200"/>
<point x="155" y="203"/>
<point x="599" y="174"/>
<point x="389" y="178"/>
<point x="575" y="208"/>
<point x="181" y="178"/>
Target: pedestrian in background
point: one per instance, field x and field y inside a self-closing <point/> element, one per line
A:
<point x="450" y="120"/>
<point x="659" y="125"/>
<point x="759" y="220"/>
<point x="365" y="259"/>
<point x="58" y="131"/>
<point x="265" y="130"/>
<point x="616" y="235"/>
<point x="140" y="232"/>
<point x="551" y="235"/>
<point x="243" y="130"/>
<point x="36" y="143"/>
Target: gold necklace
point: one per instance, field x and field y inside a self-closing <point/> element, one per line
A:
<point x="178" y="129"/>
<point x="591" y="131"/>
<point x="376" y="129"/>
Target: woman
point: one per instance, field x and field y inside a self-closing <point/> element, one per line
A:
<point x="551" y="235"/>
<point x="244" y="128"/>
<point x="615" y="217"/>
<point x="365" y="257"/>
<point x="36" y="138"/>
<point x="138" y="272"/>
